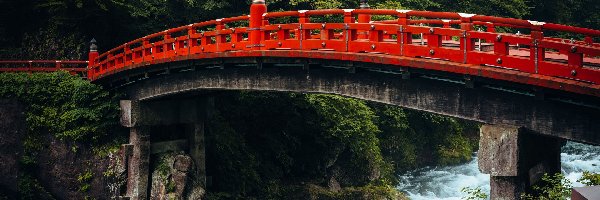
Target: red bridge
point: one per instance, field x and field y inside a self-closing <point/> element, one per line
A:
<point x="513" y="58"/>
<point x="451" y="42"/>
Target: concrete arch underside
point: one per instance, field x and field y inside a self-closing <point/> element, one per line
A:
<point x="542" y="111"/>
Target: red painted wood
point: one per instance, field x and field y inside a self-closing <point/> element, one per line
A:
<point x="535" y="56"/>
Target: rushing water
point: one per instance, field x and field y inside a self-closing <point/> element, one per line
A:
<point x="445" y="183"/>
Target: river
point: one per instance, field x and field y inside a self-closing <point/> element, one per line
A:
<point x="445" y="183"/>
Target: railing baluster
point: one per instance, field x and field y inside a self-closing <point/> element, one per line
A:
<point x="404" y="37"/>
<point x="537" y="53"/>
<point x="145" y="51"/>
<point x="466" y="43"/>
<point x="220" y="38"/>
<point x="446" y="24"/>
<point x="191" y="43"/>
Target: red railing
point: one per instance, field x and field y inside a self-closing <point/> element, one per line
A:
<point x="44" y="66"/>
<point x="419" y="34"/>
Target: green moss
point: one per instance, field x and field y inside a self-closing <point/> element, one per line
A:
<point x="163" y="166"/>
<point x="84" y="180"/>
<point x="111" y="147"/>
<point x="170" y="186"/>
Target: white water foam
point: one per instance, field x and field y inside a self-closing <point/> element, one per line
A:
<point x="445" y="183"/>
<point x="576" y="158"/>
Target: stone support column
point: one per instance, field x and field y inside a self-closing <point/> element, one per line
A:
<point x="197" y="151"/>
<point x="140" y="117"/>
<point x="139" y="163"/>
<point x="196" y="138"/>
<point x="515" y="159"/>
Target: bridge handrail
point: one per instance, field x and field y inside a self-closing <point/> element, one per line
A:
<point x="72" y="66"/>
<point x="167" y="45"/>
<point x="107" y="54"/>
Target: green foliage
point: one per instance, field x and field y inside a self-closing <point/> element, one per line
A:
<point x="350" y="121"/>
<point x="110" y="147"/>
<point x="590" y="179"/>
<point x="551" y="187"/>
<point x="582" y="13"/>
<point x="397" y="137"/>
<point x="84" y="180"/>
<point x="262" y="144"/>
<point x="163" y="166"/>
<point x="236" y="163"/>
<point x="365" y="192"/>
<point x="66" y="106"/>
<point x="557" y="186"/>
<point x="473" y="193"/>
<point x="63" y="106"/>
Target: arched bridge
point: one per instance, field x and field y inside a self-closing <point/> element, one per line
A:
<point x="489" y="69"/>
<point x="474" y="50"/>
<point x="450" y="42"/>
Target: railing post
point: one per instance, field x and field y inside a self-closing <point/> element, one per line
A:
<point x="349" y="34"/>
<point x="348" y="18"/>
<point x="191" y="42"/>
<point x="145" y="52"/>
<point x="446" y="25"/>
<point x="166" y="44"/>
<point x="92" y="55"/>
<point x="404" y="37"/>
<point x="589" y="40"/>
<point x="266" y="35"/>
<point x="257" y="9"/>
<point x="302" y="19"/>
<point x="364" y="18"/>
<point x="466" y="44"/>
<point x="537" y="54"/>
<point x="491" y="28"/>
<point x="220" y="38"/>
<point x="126" y="51"/>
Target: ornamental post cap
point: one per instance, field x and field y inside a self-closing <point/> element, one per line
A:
<point x="536" y="23"/>
<point x="258" y="1"/>
<point x="93" y="46"/>
<point x="466" y="15"/>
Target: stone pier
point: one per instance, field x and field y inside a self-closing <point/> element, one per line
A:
<point x="515" y="159"/>
<point x="144" y="119"/>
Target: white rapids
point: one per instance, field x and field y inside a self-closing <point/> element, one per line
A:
<point x="445" y="183"/>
